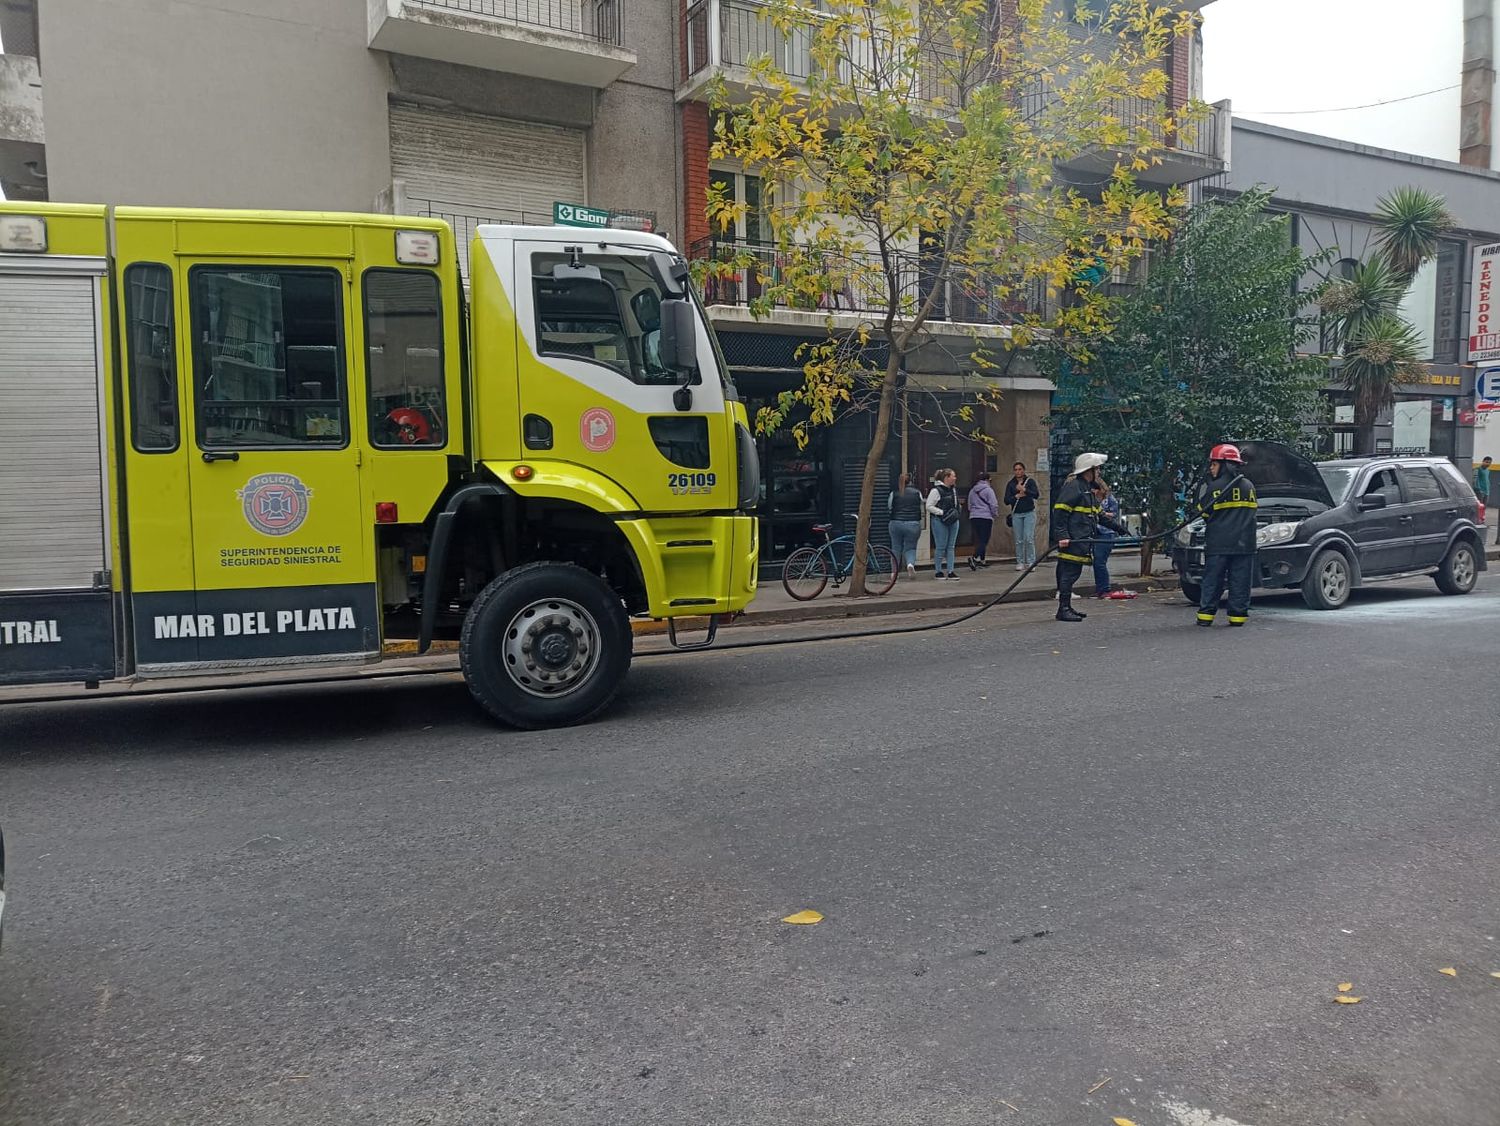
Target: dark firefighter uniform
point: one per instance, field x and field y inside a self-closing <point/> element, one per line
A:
<point x="1075" y="516"/>
<point x="1228" y="505"/>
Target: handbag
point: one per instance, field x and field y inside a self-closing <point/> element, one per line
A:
<point x="1010" y="520"/>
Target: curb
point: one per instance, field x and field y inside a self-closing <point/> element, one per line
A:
<point x="842" y="606"/>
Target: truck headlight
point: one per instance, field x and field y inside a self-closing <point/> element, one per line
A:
<point x="1185" y="534"/>
<point x="1273" y="534"/>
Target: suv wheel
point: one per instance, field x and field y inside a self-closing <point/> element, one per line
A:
<point x="1192" y="591"/>
<point x="1328" y="581"/>
<point x="1459" y="571"/>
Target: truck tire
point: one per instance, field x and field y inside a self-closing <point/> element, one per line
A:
<point x="545" y="645"/>
<point x="1328" y="582"/>
<point x="1192" y="591"/>
<point x="1459" y="570"/>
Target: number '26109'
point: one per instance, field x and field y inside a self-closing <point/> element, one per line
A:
<point x="686" y="484"/>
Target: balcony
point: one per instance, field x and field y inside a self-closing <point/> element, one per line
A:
<point x="23" y="163"/>
<point x="1195" y="152"/>
<point x="574" y="41"/>
<point x="722" y="37"/>
<point x="855" y="285"/>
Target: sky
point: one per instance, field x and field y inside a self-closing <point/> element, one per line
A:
<point x="1268" y="55"/>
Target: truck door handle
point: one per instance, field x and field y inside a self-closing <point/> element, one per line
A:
<point x="212" y="456"/>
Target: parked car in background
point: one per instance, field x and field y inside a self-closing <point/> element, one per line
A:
<point x="1330" y="527"/>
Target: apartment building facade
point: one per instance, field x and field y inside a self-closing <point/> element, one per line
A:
<point x="473" y="110"/>
<point x="819" y="482"/>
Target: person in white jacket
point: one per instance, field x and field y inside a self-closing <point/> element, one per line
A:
<point x="942" y="503"/>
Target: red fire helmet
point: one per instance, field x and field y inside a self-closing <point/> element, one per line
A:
<point x="1226" y="452"/>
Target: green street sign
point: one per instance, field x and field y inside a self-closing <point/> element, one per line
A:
<point x="575" y="215"/>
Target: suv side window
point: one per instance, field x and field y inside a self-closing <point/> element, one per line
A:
<point x="1421" y="484"/>
<point x="1384" y="482"/>
<point x="1453" y="481"/>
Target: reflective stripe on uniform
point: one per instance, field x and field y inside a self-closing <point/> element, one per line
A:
<point x="1237" y="618"/>
<point x="1235" y="504"/>
<point x="1075" y="508"/>
<point x="1075" y="558"/>
<point x="1202" y="617"/>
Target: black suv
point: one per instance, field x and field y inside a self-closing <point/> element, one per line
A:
<point x="1330" y="527"/>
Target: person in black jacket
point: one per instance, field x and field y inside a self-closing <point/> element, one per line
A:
<point x="1227" y="504"/>
<point x="1075" y="515"/>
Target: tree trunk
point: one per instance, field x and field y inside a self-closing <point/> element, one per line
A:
<point x="1364" y="429"/>
<point x="872" y="470"/>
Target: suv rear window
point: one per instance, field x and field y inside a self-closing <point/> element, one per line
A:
<point x="1454" y="481"/>
<point x="1421" y="483"/>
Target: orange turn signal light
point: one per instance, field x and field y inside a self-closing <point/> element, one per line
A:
<point x="523" y="472"/>
<point x="385" y="512"/>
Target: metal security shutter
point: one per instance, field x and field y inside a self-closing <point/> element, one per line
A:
<point x="471" y="169"/>
<point x="51" y="481"/>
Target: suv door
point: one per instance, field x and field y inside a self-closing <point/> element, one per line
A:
<point x="1383" y="534"/>
<point x="1432" y="513"/>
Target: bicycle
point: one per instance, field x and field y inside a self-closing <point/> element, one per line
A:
<point x="808" y="569"/>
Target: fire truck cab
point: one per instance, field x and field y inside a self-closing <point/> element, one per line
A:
<point x="250" y="440"/>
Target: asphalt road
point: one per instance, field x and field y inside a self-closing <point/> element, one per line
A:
<point x="1068" y="874"/>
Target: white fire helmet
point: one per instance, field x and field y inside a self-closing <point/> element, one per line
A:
<point x="1085" y="462"/>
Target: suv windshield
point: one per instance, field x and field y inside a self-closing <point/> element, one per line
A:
<point x="1338" y="478"/>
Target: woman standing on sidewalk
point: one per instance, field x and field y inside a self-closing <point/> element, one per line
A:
<point x="906" y="522"/>
<point x="1021" y="495"/>
<point x="1104" y="535"/>
<point x="942" y="502"/>
<point x="983" y="508"/>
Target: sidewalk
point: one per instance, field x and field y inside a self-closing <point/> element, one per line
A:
<point x="772" y="603"/>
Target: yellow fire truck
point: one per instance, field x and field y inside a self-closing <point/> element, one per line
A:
<point x="240" y="440"/>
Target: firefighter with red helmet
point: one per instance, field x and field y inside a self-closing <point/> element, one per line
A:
<point x="1075" y="516"/>
<point x="1227" y="504"/>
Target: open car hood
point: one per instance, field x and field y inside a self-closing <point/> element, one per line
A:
<point x="1280" y="471"/>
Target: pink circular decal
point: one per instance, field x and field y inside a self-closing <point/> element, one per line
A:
<point x="597" y="429"/>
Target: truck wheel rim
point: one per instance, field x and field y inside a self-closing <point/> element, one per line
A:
<point x="1335" y="581"/>
<point x="1463" y="567"/>
<point x="551" y="647"/>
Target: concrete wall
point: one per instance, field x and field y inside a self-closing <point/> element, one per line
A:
<point x="230" y="103"/>
<point x="1019" y="430"/>
<point x="634" y="151"/>
<point x="1329" y="174"/>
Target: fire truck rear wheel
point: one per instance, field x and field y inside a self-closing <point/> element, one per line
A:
<point x="545" y="645"/>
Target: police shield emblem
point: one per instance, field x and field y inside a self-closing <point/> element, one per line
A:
<point x="275" y="503"/>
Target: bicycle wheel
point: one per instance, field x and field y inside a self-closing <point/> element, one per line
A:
<point x="804" y="574"/>
<point x="880" y="570"/>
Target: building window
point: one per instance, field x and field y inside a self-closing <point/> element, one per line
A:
<point x="1420" y="306"/>
<point x="404" y="358"/>
<point x="1342" y="270"/>
<point x="269" y="362"/>
<point x="753" y="226"/>
<point x="151" y="342"/>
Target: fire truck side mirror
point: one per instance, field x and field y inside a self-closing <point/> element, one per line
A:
<point x="679" y="335"/>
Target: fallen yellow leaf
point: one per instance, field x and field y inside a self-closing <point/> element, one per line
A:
<point x="1123" y="1122"/>
<point x="1449" y="970"/>
<point x="1345" y="999"/>
<point x="1345" y="986"/>
<point x="1495" y="973"/>
<point x="804" y="918"/>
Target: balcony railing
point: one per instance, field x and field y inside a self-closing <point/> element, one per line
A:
<point x="732" y="33"/>
<point x="856" y="283"/>
<point x="600" y="20"/>
<point x="1200" y="138"/>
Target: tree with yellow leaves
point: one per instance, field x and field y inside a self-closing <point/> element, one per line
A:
<point x="910" y="154"/>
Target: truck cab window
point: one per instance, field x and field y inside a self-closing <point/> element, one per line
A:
<point x="268" y="358"/>
<point x="404" y="364"/>
<point x="613" y="320"/>
<point x="151" y="357"/>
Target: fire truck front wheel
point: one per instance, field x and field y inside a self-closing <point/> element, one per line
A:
<point x="545" y="645"/>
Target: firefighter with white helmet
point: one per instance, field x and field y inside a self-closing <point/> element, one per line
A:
<point x="1075" y="515"/>
<point x="1227" y="504"/>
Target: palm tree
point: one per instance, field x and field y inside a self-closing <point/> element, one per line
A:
<point x="1380" y="349"/>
